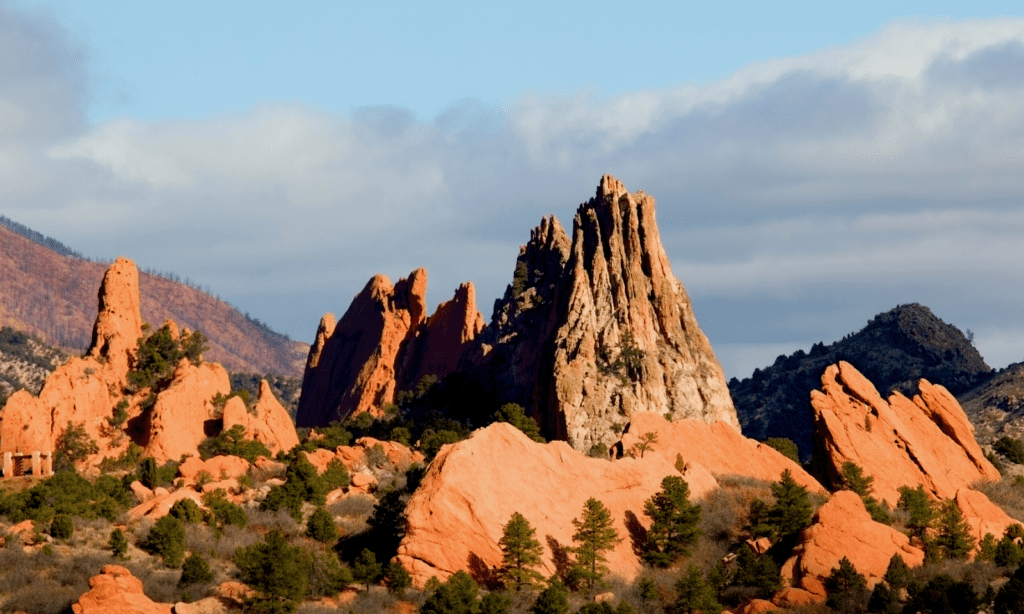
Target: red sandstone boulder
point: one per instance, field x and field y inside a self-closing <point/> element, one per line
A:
<point x="983" y="515"/>
<point x="718" y="447"/>
<point x="116" y="591"/>
<point x="472" y="488"/>
<point x="178" y="423"/>
<point x="217" y="467"/>
<point x="900" y="442"/>
<point x="162" y="502"/>
<point x="843" y="527"/>
<point x="269" y="423"/>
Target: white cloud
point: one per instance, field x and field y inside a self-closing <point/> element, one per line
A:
<point x="892" y="162"/>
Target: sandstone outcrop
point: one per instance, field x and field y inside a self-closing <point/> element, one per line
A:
<point x="116" y="591"/>
<point x="383" y="343"/>
<point x="982" y="515"/>
<point x="217" y="467"/>
<point x="718" y="447"/>
<point x="183" y="414"/>
<point x="118" y="326"/>
<point x="162" y="502"/>
<point x="843" y="527"/>
<point x="269" y="423"/>
<point x="84" y="390"/>
<point x="596" y="327"/>
<point x="926" y="440"/>
<point x="472" y="488"/>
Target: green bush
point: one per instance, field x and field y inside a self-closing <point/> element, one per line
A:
<point x="847" y="589"/>
<point x="167" y="540"/>
<point x="787" y="447"/>
<point x="321" y="527"/>
<point x="397" y="578"/>
<point x="195" y="570"/>
<point x="233" y="442"/>
<point x="67" y="493"/>
<point x="118" y="544"/>
<point x="1010" y="448"/>
<point x="366" y="569"/>
<point x="515" y="415"/>
<point x="62" y="527"/>
<point x="944" y="594"/>
<point x="275" y="570"/>
<point x="73" y="445"/>
<point x="552" y="600"/>
<point x="916" y="503"/>
<point x="695" y="594"/>
<point x="456" y="596"/>
<point x="187" y="511"/>
<point x="336" y="475"/>
<point x="223" y="512"/>
<point x="302" y="483"/>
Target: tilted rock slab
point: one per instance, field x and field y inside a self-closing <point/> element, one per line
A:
<point x="269" y="423"/>
<point x="899" y="442"/>
<point x="718" y="447"/>
<point x="116" y="591"/>
<point x="574" y="303"/>
<point x="382" y="344"/>
<point x="843" y="527"/>
<point x="472" y="488"/>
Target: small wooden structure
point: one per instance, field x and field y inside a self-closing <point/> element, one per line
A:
<point x="17" y="463"/>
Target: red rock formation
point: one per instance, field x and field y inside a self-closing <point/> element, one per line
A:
<point x="471" y="489"/>
<point x="82" y="390"/>
<point x="383" y="342"/>
<point x="983" y="515"/>
<point x="162" y="502"/>
<point x="718" y="447"/>
<point x="843" y="527"/>
<point x="179" y="419"/>
<point x="596" y="327"/>
<point x="899" y="442"/>
<point x="269" y="423"/>
<point x="116" y="591"/>
<point x="217" y="467"/>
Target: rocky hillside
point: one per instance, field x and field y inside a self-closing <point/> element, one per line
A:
<point x="895" y="350"/>
<point x="25" y="361"/>
<point x="53" y="296"/>
<point x="593" y="328"/>
<point x="996" y="407"/>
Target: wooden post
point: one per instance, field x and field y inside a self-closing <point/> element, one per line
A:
<point x="36" y="465"/>
<point x="8" y="465"/>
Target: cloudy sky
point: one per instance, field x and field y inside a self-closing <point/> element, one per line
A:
<point x="813" y="165"/>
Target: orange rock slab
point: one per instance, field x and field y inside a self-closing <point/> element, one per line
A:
<point x="178" y="423"/>
<point x="843" y="527"/>
<point x="926" y="440"/>
<point x="718" y="447"/>
<point x="269" y="423"/>
<point x="472" y="488"/>
<point x="116" y="591"/>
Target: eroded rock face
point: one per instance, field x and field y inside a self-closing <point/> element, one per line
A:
<point x="383" y="343"/>
<point x="926" y="440"/>
<point x="982" y="515"/>
<point x="115" y="336"/>
<point x="269" y="423"/>
<point x="82" y="390"/>
<point x="472" y="488"/>
<point x="843" y="527"/>
<point x="179" y="419"/>
<point x="116" y="591"/>
<point x="718" y="447"/>
<point x="596" y="327"/>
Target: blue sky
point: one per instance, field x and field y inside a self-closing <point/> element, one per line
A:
<point x="813" y="165"/>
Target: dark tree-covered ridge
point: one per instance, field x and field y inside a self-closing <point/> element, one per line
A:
<point x="894" y="351"/>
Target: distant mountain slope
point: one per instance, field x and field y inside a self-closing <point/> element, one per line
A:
<point x="24" y="362"/>
<point x="53" y="296"/>
<point x="894" y="350"/>
<point x="996" y="407"/>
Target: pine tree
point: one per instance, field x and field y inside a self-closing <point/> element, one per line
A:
<point x="792" y="510"/>
<point x="847" y="589"/>
<point x="915" y="502"/>
<point x="366" y="569"/>
<point x="954" y="539"/>
<point x="275" y="569"/>
<point x="674" y="522"/>
<point x="595" y="536"/>
<point x="520" y="553"/>
<point x="118" y="544"/>
<point x="552" y="600"/>
<point x="320" y="526"/>
<point x="695" y="594"/>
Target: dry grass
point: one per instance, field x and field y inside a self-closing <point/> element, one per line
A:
<point x="44" y="583"/>
<point x="1007" y="493"/>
